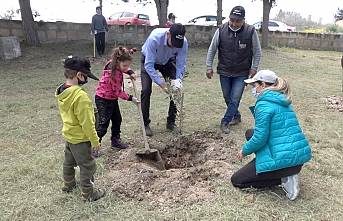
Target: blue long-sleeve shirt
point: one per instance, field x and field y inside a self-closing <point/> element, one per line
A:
<point x="157" y="51"/>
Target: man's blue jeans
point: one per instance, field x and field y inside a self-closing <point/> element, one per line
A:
<point x="232" y="88"/>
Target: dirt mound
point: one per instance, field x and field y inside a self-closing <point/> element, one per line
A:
<point x="204" y="157"/>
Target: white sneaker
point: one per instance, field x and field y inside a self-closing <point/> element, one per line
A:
<point x="291" y="186"/>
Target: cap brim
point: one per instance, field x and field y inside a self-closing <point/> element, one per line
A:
<point x="236" y="17"/>
<point x="250" y="80"/>
<point x="177" y="43"/>
<point x="90" y="75"/>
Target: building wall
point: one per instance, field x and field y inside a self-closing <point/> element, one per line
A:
<point x="65" y="31"/>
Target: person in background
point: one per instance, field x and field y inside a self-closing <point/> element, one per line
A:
<point x="239" y="54"/>
<point x="77" y="113"/>
<point x="277" y="140"/>
<point x="171" y="20"/>
<point x="110" y="88"/>
<point x="99" y="28"/>
<point x="164" y="50"/>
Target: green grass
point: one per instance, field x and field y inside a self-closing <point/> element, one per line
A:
<point x="32" y="146"/>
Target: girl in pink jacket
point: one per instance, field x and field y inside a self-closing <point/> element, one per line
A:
<point x="111" y="88"/>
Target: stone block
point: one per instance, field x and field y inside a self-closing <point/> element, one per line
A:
<point x="283" y="41"/>
<point x="73" y="35"/>
<point x="206" y="37"/>
<point x="9" y="47"/>
<point x="51" y="34"/>
<point x="275" y="40"/>
<point x="5" y="32"/>
<point x="16" y="24"/>
<point x="18" y="33"/>
<point x="325" y="44"/>
<point x="197" y="36"/>
<point x="4" y="23"/>
<point x="307" y="43"/>
<point x="299" y="42"/>
<point x="62" y="34"/>
<point x="127" y="35"/>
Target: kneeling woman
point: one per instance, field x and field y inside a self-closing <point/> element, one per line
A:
<point x="277" y="140"/>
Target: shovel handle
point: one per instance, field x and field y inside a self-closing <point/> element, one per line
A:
<point x="146" y="145"/>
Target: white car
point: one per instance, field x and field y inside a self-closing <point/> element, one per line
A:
<point x="275" y="26"/>
<point x="205" y="20"/>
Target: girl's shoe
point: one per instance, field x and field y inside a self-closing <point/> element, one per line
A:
<point x="116" y="142"/>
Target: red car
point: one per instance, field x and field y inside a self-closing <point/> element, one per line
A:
<point x="128" y="18"/>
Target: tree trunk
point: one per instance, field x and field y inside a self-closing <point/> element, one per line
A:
<point x="161" y="6"/>
<point x="29" y="26"/>
<point x="267" y="5"/>
<point x="100" y="4"/>
<point x="219" y="12"/>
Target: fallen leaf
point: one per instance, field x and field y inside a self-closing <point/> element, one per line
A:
<point x="250" y="198"/>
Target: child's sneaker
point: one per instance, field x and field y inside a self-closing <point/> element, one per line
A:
<point x="116" y="142"/>
<point x="291" y="187"/>
<point x="68" y="186"/>
<point x="93" y="195"/>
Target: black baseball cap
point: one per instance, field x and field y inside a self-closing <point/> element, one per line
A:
<point x="171" y="15"/>
<point x="177" y="32"/>
<point x="237" y="13"/>
<point x="79" y="63"/>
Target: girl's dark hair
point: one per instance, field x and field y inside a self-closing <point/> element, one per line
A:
<point x="120" y="54"/>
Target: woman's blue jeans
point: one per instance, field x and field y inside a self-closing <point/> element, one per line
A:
<point x="232" y="88"/>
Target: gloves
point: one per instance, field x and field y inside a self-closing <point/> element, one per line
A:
<point x="178" y="83"/>
<point x="134" y="100"/>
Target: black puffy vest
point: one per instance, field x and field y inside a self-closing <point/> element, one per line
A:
<point x="235" y="50"/>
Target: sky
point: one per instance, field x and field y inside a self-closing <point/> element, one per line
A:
<point x="185" y="10"/>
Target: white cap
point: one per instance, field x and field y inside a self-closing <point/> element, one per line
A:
<point x="263" y="75"/>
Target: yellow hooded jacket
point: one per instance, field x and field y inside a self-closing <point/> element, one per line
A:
<point x="77" y="113"/>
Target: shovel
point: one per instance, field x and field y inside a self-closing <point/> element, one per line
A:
<point x="147" y="152"/>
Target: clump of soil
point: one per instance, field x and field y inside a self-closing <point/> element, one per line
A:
<point x="333" y="102"/>
<point x="204" y="157"/>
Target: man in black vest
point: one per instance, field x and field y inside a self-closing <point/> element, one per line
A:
<point x="239" y="53"/>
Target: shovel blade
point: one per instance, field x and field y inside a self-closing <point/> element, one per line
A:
<point x="154" y="155"/>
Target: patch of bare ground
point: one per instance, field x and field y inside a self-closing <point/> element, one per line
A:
<point x="205" y="156"/>
<point x="334" y="102"/>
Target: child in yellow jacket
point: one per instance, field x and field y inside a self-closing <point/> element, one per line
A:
<point x="77" y="113"/>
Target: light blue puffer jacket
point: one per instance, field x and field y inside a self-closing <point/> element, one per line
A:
<point x="278" y="140"/>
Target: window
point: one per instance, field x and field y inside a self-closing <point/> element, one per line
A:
<point x="127" y="14"/>
<point x="273" y="24"/>
<point x="141" y="16"/>
<point x="115" y="16"/>
<point x="211" y="18"/>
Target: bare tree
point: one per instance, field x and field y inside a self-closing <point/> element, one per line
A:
<point x="339" y="15"/>
<point x="296" y="20"/>
<point x="219" y="12"/>
<point x="29" y="26"/>
<point x="161" y="6"/>
<point x="267" y="5"/>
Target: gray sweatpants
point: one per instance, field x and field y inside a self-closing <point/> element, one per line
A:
<point x="79" y="155"/>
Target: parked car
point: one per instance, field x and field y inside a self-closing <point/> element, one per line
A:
<point x="205" y="20"/>
<point x="275" y="26"/>
<point x="128" y="18"/>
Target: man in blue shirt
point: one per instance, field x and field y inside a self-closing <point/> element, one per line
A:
<point x="164" y="50"/>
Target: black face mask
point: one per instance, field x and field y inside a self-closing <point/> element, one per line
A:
<point x="82" y="82"/>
